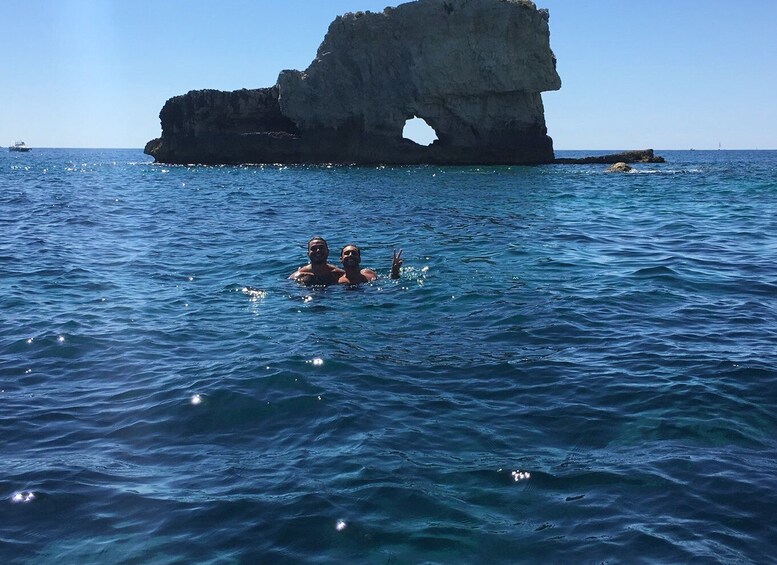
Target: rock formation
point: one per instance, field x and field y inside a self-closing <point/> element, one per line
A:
<point x="637" y="156"/>
<point x="619" y="167"/>
<point x="473" y="69"/>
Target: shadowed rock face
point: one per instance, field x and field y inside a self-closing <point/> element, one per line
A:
<point x="473" y="69"/>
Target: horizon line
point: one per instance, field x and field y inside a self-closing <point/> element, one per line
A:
<point x="555" y="149"/>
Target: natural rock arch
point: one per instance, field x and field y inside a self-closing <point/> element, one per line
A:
<point x="474" y="69"/>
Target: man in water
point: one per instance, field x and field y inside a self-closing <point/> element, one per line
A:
<point x="351" y="258"/>
<point x="318" y="272"/>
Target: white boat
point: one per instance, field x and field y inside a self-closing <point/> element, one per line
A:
<point x="19" y="146"/>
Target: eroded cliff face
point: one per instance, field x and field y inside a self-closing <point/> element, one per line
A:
<point x="201" y="112"/>
<point x="473" y="69"/>
<point x="215" y="127"/>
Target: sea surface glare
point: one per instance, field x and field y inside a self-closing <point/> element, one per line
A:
<point x="575" y="366"/>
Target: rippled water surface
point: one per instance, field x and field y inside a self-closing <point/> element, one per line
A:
<point x="574" y="367"/>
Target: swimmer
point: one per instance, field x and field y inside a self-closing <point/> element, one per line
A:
<point x="351" y="257"/>
<point x="318" y="272"/>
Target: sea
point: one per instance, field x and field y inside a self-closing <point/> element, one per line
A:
<point x="575" y="366"/>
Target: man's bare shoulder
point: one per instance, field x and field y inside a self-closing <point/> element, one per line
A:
<point x="369" y="274"/>
<point x="308" y="270"/>
<point x="323" y="276"/>
<point x="304" y="270"/>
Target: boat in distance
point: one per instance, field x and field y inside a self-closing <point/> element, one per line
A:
<point x="19" y="146"/>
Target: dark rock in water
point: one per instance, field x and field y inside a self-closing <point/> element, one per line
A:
<point x="473" y="69"/>
<point x="639" y="156"/>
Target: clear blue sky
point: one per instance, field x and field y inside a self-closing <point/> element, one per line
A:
<point x="666" y="74"/>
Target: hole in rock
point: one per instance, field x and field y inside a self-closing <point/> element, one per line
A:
<point x="418" y="131"/>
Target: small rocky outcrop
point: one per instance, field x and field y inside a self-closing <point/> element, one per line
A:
<point x="620" y="167"/>
<point x="473" y="69"/>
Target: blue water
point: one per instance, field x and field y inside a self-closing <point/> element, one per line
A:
<point x="166" y="395"/>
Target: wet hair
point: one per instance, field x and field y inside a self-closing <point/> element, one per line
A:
<point x="351" y="245"/>
<point x="312" y="239"/>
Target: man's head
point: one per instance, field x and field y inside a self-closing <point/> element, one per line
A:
<point x="318" y="250"/>
<point x="350" y="256"/>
